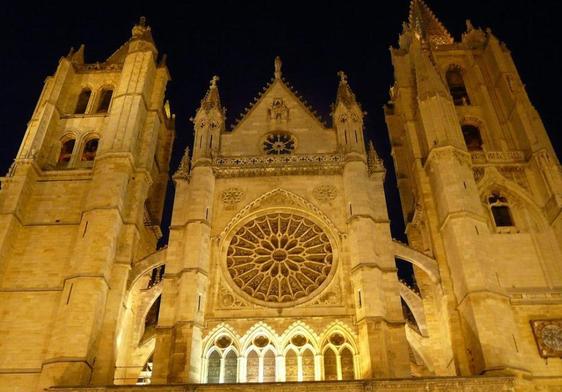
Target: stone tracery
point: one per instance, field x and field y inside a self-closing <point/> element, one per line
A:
<point x="279" y="258"/>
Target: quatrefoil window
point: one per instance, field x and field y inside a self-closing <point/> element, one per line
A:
<point x="279" y="258"/>
<point x="279" y="143"/>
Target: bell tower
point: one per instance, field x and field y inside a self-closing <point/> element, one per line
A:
<point x="82" y="201"/>
<point x="480" y="189"/>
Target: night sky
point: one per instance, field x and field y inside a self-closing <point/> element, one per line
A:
<point x="238" y="41"/>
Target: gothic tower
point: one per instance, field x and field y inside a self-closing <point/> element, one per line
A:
<point x="481" y="191"/>
<point x="81" y="203"/>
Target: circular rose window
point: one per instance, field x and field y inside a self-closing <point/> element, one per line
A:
<point x="278" y="143"/>
<point x="279" y="258"/>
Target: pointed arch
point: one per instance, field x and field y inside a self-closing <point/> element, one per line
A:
<point x="493" y="181"/>
<point x="257" y="330"/>
<point x="300" y="328"/>
<point x="279" y="197"/>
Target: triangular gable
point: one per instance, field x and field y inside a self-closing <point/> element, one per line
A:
<point x="274" y="88"/>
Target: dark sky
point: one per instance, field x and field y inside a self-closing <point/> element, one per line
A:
<point x="239" y="39"/>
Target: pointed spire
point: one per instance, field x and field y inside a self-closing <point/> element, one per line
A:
<point x="426" y="26"/>
<point x="374" y="162"/>
<point x="345" y="95"/>
<point x="278" y="64"/>
<point x="212" y="98"/>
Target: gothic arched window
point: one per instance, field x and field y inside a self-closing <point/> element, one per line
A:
<point x="501" y="212"/>
<point x="456" y="85"/>
<point x="82" y="103"/>
<point x="291" y="366"/>
<point x="66" y="152"/>
<point x="90" y="150"/>
<point x="472" y="137"/>
<point x="104" y="101"/>
<point x="214" y="368"/>
<point x="330" y="365"/>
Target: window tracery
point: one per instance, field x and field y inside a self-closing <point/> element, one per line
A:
<point x="266" y="357"/>
<point x="279" y="143"/>
<point x="279" y="258"/>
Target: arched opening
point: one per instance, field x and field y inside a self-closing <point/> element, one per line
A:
<point x="291" y="366"/>
<point x="230" y="367"/>
<point x="214" y="368"/>
<point x="269" y="366"/>
<point x="83" y="100"/>
<point x="90" y="150"/>
<point x="330" y="365"/>
<point x="457" y="87"/>
<point x="146" y="372"/>
<point x="104" y="101"/>
<point x="66" y="152"/>
<point x="501" y="212"/>
<point x="409" y="316"/>
<point x="151" y="319"/>
<point x="252" y="367"/>
<point x="472" y="137"/>
<point x="346" y="358"/>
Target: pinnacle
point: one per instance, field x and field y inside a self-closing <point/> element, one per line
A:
<point x="426" y="25"/>
<point x="345" y="95"/>
<point x="212" y="97"/>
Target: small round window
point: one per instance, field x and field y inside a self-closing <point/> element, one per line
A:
<point x="279" y="143"/>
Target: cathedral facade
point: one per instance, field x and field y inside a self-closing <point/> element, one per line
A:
<point x="280" y="269"/>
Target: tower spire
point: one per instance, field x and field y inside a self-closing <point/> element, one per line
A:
<point x="345" y="95"/>
<point x="426" y="26"/>
<point x="212" y="98"/>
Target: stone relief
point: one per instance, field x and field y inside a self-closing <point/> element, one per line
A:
<point x="278" y="110"/>
<point x="232" y="196"/>
<point x="325" y="193"/>
<point x="279" y="258"/>
<point x="228" y="300"/>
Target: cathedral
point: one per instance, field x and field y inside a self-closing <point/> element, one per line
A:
<point x="280" y="272"/>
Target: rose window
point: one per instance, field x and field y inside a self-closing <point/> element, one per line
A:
<point x="278" y="143"/>
<point x="279" y="258"/>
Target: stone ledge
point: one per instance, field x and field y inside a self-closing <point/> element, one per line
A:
<point x="473" y="384"/>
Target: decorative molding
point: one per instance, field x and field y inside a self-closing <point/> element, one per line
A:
<point x="275" y="165"/>
<point x="479" y="157"/>
<point x="232" y="196"/>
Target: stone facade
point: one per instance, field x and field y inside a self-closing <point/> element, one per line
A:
<point x="280" y="267"/>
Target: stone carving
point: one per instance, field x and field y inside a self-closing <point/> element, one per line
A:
<point x="325" y="193"/>
<point x="548" y="334"/>
<point x="278" y="111"/>
<point x="331" y="297"/>
<point x="232" y="196"/>
<point x="227" y="300"/>
<point x="497" y="156"/>
<point x="278" y="143"/>
<point x="278" y="164"/>
<point x="279" y="258"/>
